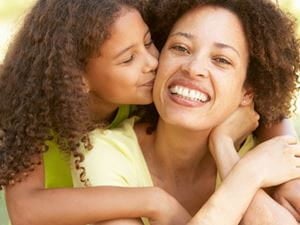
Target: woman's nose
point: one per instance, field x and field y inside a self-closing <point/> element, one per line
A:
<point x="196" y="67"/>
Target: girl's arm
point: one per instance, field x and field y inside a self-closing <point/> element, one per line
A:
<point x="228" y="203"/>
<point x="284" y="127"/>
<point x="263" y="209"/>
<point x="29" y="203"/>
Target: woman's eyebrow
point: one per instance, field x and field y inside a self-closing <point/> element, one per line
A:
<point x="222" y="45"/>
<point x="217" y="44"/>
<point x="183" y="34"/>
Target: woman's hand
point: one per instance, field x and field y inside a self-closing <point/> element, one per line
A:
<point x="237" y="126"/>
<point x="276" y="161"/>
<point x="229" y="135"/>
<point x="288" y="195"/>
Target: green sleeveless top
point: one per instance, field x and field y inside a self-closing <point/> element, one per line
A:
<point x="57" y="168"/>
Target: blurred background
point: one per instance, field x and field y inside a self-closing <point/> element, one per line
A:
<point x="11" y="16"/>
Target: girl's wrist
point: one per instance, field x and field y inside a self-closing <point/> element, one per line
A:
<point x="155" y="199"/>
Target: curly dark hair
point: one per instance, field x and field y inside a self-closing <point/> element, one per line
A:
<point x="273" y="48"/>
<point x="42" y="93"/>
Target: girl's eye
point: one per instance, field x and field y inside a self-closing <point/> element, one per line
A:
<point x="128" y="60"/>
<point x="148" y="44"/>
<point x="180" y="48"/>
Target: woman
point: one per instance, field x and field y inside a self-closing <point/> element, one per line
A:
<point x="204" y="75"/>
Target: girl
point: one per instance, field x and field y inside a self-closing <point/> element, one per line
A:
<point x="72" y="65"/>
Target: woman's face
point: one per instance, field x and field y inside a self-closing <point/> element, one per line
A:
<point x="202" y="69"/>
<point x="125" y="70"/>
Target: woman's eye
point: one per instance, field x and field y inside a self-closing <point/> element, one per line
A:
<point x="128" y="60"/>
<point x="148" y="44"/>
<point x="180" y="48"/>
<point x="222" y="61"/>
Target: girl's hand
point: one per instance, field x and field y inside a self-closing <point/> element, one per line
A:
<point x="288" y="195"/>
<point x="275" y="161"/>
<point x="237" y="126"/>
<point x="168" y="211"/>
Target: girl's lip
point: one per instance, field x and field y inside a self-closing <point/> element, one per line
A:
<point x="149" y="83"/>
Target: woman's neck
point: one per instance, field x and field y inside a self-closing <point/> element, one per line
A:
<point x="179" y="151"/>
<point x="180" y="162"/>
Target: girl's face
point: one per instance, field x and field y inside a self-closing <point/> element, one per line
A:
<point x="125" y="70"/>
<point x="202" y="69"/>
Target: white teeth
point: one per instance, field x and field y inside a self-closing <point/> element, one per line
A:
<point x="190" y="94"/>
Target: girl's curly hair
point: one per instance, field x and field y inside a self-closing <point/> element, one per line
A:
<point x="41" y="87"/>
<point x="273" y="48"/>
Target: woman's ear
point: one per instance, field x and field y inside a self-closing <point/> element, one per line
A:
<point x="247" y="97"/>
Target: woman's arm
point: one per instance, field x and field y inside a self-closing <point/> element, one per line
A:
<point x="268" y="164"/>
<point x="263" y="209"/>
<point x="288" y="194"/>
<point x="29" y="203"/>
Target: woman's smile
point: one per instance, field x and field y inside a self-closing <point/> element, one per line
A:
<point x="187" y="93"/>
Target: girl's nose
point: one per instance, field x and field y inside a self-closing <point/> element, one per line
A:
<point x="151" y="59"/>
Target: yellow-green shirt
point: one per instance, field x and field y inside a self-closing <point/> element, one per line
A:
<point x="57" y="164"/>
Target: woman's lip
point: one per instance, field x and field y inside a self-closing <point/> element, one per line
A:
<point x="189" y="84"/>
<point x="185" y="102"/>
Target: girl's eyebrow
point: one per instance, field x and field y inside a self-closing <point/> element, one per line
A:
<point x="129" y="47"/>
<point x="147" y="32"/>
<point x="123" y="51"/>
